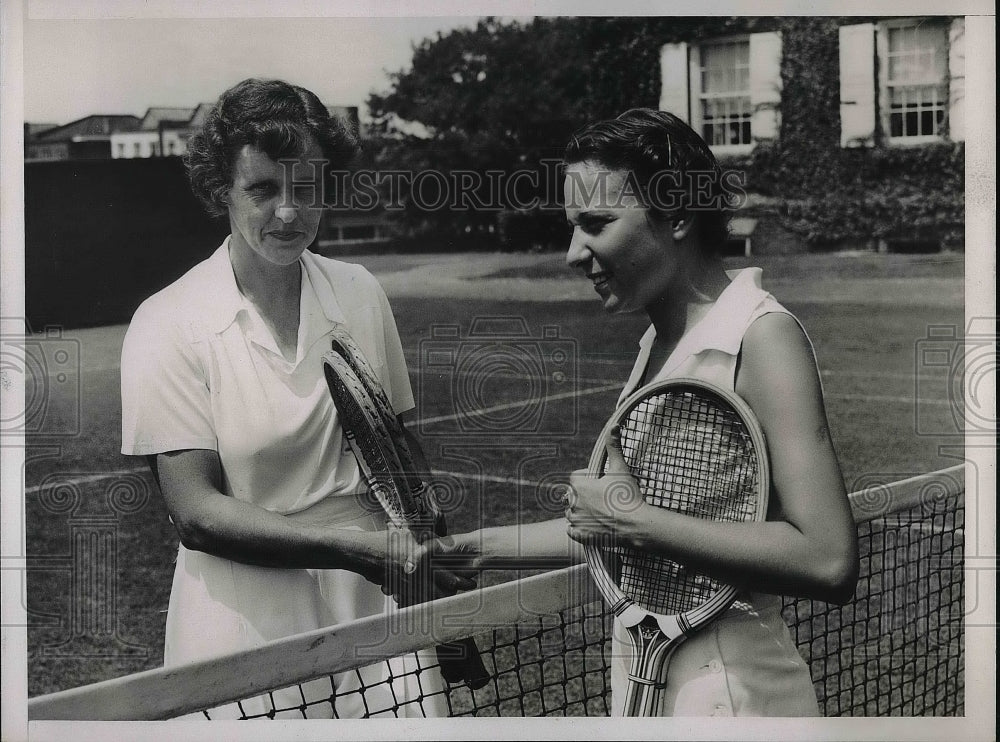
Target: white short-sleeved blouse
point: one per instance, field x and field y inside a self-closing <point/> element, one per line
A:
<point x="201" y="370"/>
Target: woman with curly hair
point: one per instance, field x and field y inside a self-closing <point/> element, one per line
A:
<point x="223" y="393"/>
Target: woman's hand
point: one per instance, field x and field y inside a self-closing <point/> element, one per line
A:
<point x="608" y="509"/>
<point x="453" y="560"/>
<point x="461" y="553"/>
<point x="542" y="545"/>
<point x="406" y="570"/>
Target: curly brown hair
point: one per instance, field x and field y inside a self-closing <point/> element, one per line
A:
<point x="270" y="115"/>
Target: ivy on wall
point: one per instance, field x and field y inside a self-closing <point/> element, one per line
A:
<point x="624" y="54"/>
<point x="826" y="193"/>
<point x="832" y="194"/>
<point x="835" y="195"/>
<point x="505" y="95"/>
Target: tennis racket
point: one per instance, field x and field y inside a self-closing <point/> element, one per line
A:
<point x="345" y="345"/>
<point x="390" y="480"/>
<point x="696" y="449"/>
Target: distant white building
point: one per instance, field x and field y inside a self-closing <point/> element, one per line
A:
<point x="84" y="139"/>
<point x="161" y="133"/>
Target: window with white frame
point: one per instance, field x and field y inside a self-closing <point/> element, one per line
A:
<point x="724" y="94"/>
<point x="902" y="81"/>
<point x="916" y="80"/>
<point x="727" y="89"/>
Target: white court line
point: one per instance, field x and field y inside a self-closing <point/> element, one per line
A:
<point x="536" y="377"/>
<point x="489" y="478"/>
<point x="885" y="398"/>
<point x="926" y="373"/>
<point x="519" y="403"/>
<point x="89" y="478"/>
<point x="610" y="384"/>
<point x="412" y="359"/>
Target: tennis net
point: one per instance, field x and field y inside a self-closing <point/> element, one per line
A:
<point x="897" y="649"/>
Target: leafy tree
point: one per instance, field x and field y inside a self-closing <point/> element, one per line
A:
<point x="506" y="96"/>
<point x="492" y="87"/>
<point x="498" y="98"/>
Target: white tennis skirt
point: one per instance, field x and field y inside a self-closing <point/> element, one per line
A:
<point x="218" y="606"/>
<point x="743" y="664"/>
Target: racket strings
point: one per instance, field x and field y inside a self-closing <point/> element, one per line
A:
<point x="692" y="455"/>
<point x="359" y="426"/>
<point x="349" y="350"/>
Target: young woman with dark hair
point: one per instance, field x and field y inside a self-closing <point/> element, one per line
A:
<point x="647" y="202"/>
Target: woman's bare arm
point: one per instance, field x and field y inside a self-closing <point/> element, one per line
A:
<point x="208" y="520"/>
<point x="810" y="550"/>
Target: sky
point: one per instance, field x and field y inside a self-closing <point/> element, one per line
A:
<point x="74" y="68"/>
<point x="123" y="56"/>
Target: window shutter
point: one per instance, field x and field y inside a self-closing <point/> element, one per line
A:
<point x="956" y="80"/>
<point x="674" y="80"/>
<point x="765" y="84"/>
<point x="857" y="85"/>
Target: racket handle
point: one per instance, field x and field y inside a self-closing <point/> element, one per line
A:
<point x="461" y="663"/>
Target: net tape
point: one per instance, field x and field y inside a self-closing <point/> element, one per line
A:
<point x="897" y="649"/>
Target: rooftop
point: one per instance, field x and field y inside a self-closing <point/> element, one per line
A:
<point x="154" y="116"/>
<point x="97" y="126"/>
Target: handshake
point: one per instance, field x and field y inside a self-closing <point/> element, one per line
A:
<point x="436" y="567"/>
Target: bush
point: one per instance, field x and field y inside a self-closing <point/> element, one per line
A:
<point x="536" y="229"/>
<point x="593" y="68"/>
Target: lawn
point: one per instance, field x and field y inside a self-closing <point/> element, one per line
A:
<point x="889" y="413"/>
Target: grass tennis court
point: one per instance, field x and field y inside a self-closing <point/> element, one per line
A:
<point x="869" y="318"/>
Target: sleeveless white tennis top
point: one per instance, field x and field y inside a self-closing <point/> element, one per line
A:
<point x="745" y="663"/>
